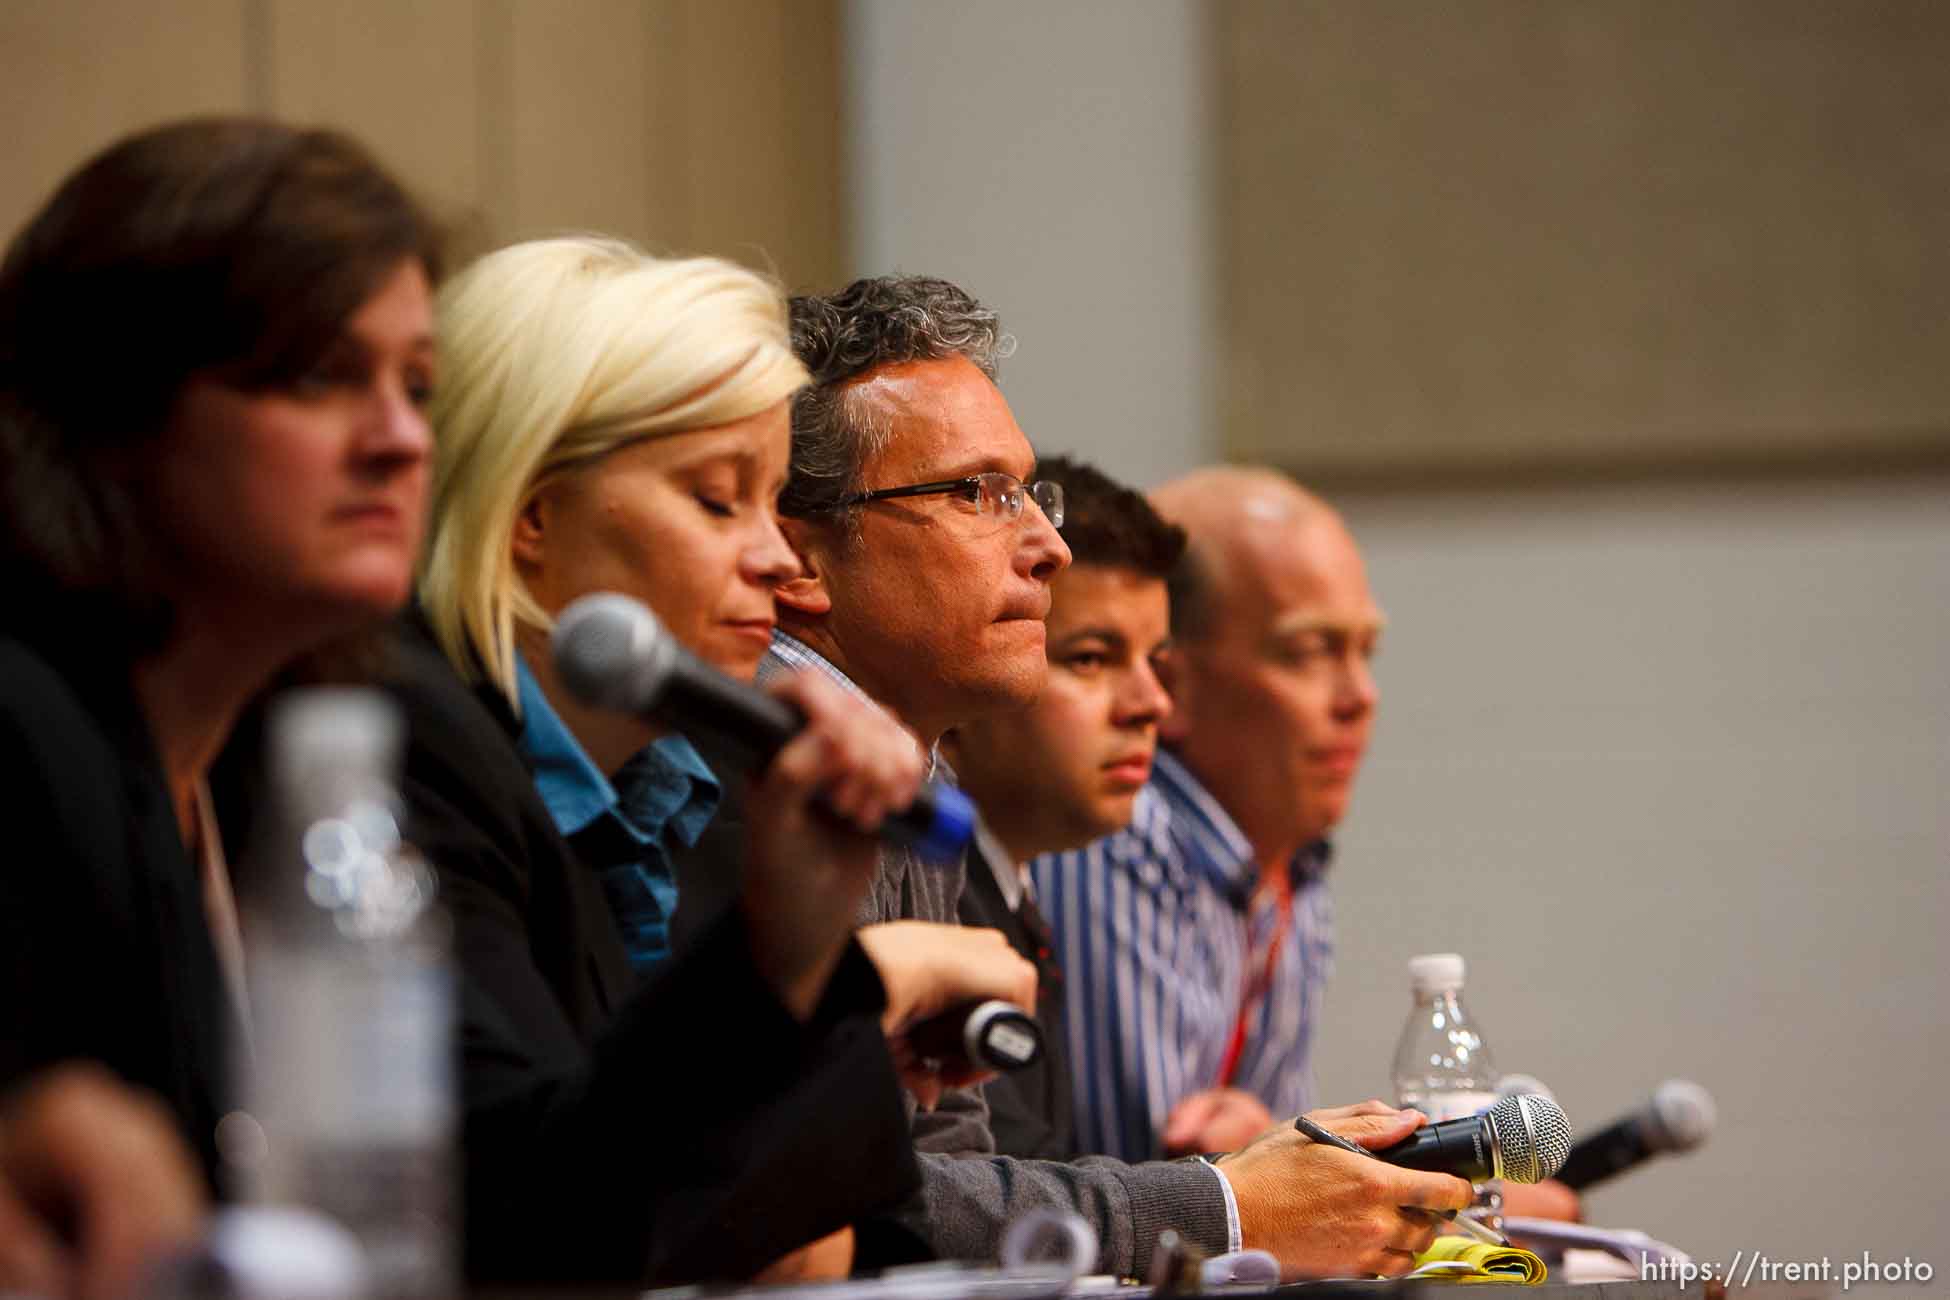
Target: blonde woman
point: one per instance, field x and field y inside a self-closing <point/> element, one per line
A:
<point x="613" y="421"/>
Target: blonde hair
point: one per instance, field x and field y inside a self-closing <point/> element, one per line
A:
<point x="554" y="353"/>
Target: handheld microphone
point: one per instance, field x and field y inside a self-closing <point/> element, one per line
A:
<point x="612" y="653"/>
<point x="994" y="1034"/>
<point x="1519" y="1139"/>
<point x="1678" y="1118"/>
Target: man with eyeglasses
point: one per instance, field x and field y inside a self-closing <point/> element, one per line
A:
<point x="927" y="551"/>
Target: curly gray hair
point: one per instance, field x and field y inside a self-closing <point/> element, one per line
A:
<point x="870" y="323"/>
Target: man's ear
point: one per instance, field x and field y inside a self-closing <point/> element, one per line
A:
<point x="806" y="595"/>
<point x="1174" y="677"/>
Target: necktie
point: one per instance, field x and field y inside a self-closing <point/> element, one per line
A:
<point x="1049" y="975"/>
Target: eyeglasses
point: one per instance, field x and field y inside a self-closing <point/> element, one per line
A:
<point x="994" y="493"/>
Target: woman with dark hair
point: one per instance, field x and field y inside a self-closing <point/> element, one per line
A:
<point x="216" y="341"/>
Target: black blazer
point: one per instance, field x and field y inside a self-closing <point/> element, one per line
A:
<point x="105" y="952"/>
<point x="1031" y="1111"/>
<point x="686" y="1129"/>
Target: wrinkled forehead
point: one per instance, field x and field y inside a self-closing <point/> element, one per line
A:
<point x="939" y="420"/>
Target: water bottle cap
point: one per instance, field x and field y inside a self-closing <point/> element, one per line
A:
<point x="1436" y="972"/>
<point x="339" y="726"/>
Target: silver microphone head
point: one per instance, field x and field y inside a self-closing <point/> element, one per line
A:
<point x="1685" y="1112"/>
<point x="1532" y="1138"/>
<point x="611" y="652"/>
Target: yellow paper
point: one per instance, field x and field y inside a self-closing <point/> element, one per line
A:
<point x="1507" y="1265"/>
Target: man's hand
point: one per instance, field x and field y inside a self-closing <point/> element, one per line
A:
<point x="95" y="1185"/>
<point x="1324" y="1212"/>
<point x="1549" y="1199"/>
<point x="830" y="1259"/>
<point x="928" y="968"/>
<point x="806" y="868"/>
<point x="1218" y="1119"/>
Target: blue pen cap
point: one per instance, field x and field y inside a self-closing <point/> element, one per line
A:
<point x="952" y="826"/>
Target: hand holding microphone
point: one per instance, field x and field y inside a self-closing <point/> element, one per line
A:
<point x="1326" y="1215"/>
<point x="1519" y="1139"/>
<point x="988" y="1035"/>
<point x="958" y="1003"/>
<point x="835" y="772"/>
<point x="612" y="653"/>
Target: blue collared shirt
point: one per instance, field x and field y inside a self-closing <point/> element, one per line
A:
<point x="1160" y="933"/>
<point x="626" y="830"/>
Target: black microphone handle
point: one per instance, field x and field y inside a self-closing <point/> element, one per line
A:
<point x="754" y="722"/>
<point x="1611" y="1150"/>
<point x="991" y="1034"/>
<point x="761" y="724"/>
<point x="1464" y="1147"/>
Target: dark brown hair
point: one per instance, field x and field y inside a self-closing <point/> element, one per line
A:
<point x="1110" y="525"/>
<point x="228" y="247"/>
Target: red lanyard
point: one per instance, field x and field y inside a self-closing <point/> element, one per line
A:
<point x="1259" y="976"/>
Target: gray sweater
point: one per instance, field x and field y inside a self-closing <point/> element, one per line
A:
<point x="970" y="1195"/>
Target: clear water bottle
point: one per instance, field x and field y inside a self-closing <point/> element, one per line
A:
<point x="1442" y="1066"/>
<point x="348" y="1075"/>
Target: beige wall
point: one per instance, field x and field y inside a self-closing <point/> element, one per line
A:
<point x="1051" y="158"/>
<point x="73" y="76"/>
<point x="689" y="125"/>
<point x="1584" y="233"/>
<point x="1667" y="763"/>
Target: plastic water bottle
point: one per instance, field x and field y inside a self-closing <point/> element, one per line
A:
<point x="1442" y="1066"/>
<point x="348" y="1077"/>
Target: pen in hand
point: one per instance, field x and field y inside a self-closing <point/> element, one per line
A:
<point x="1330" y="1138"/>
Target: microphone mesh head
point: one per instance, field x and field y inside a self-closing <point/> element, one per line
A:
<point x="1686" y="1113"/>
<point x="610" y="652"/>
<point x="1533" y="1136"/>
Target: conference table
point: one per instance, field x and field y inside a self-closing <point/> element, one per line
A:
<point x="1388" y="1289"/>
<point x="1626" y="1290"/>
<point x="1394" y="1289"/>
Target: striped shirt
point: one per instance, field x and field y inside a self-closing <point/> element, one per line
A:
<point x="791" y="655"/>
<point x="905" y="888"/>
<point x="1162" y="939"/>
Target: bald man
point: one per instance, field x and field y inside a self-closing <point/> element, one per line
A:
<point x="1198" y="939"/>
